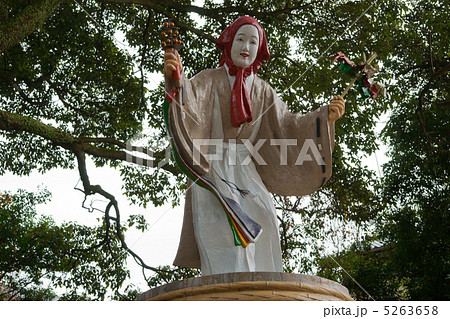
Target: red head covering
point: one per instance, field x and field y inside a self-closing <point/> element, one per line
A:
<point x="241" y="108"/>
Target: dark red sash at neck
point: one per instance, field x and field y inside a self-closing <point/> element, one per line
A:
<point x="241" y="105"/>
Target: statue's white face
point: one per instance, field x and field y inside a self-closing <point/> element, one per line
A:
<point x="244" y="48"/>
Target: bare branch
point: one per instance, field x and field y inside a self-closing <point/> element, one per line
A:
<point x="97" y="189"/>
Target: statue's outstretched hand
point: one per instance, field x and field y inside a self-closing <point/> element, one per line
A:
<point x="171" y="61"/>
<point x="336" y="108"/>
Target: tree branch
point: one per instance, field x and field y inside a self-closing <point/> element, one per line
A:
<point x="97" y="189"/>
<point x="14" y="31"/>
<point x="60" y="94"/>
<point x="15" y="122"/>
<point x="282" y="56"/>
<point x="109" y="140"/>
<point x="158" y="8"/>
<point x="214" y="13"/>
<point x="144" y="54"/>
<point x="13" y="77"/>
<point x="24" y="285"/>
<point x="27" y="98"/>
<point x="419" y="109"/>
<point x="414" y="67"/>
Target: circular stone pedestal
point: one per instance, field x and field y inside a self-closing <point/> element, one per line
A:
<point x="250" y="286"/>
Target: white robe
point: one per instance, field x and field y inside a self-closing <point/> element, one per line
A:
<point x="218" y="253"/>
<point x="201" y="110"/>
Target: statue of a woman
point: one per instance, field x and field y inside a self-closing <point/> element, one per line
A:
<point x="263" y="148"/>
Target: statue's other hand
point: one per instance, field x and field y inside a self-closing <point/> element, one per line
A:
<point x="171" y="61"/>
<point x="336" y="108"/>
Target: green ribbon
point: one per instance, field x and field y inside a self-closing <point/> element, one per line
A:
<point x="345" y="67"/>
<point x="353" y="70"/>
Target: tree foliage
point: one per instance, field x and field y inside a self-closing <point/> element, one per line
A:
<point x="414" y="225"/>
<point x="40" y="260"/>
<point x="75" y="78"/>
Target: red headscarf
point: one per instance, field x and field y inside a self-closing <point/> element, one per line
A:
<point x="241" y="107"/>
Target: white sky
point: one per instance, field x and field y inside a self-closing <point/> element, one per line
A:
<point x="157" y="246"/>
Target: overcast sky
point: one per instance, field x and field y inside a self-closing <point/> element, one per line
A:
<point x="157" y="246"/>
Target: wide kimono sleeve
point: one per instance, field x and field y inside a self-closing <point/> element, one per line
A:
<point x="297" y="150"/>
<point x="189" y="116"/>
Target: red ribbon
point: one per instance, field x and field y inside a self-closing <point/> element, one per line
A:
<point x="241" y="105"/>
<point x="170" y="95"/>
